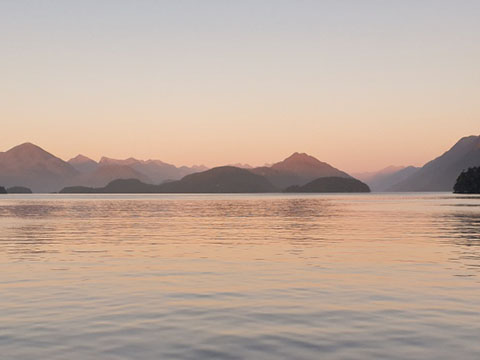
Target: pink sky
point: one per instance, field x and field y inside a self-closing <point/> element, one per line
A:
<point x="360" y="85"/>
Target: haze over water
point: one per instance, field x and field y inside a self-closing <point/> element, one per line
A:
<point x="240" y="276"/>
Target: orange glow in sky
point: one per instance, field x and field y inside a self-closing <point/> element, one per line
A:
<point x="360" y="85"/>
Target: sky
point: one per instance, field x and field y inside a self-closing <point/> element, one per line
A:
<point x="359" y="84"/>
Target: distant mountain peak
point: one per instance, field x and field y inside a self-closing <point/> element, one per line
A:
<point x="390" y="169"/>
<point x="30" y="153"/>
<point x="80" y="159"/>
<point x="297" y="156"/>
<point x="27" y="147"/>
<point x="29" y="165"/>
<point x="242" y="166"/>
<point x="105" y="159"/>
<point x="301" y="161"/>
<point x="441" y="173"/>
<point x="297" y="169"/>
<point x="129" y="161"/>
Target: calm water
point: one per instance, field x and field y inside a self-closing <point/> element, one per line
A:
<point x="240" y="277"/>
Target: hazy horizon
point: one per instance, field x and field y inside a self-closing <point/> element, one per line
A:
<point x="348" y="257"/>
<point x="238" y="164"/>
<point x="359" y="85"/>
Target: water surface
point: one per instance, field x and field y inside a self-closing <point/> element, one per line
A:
<point x="389" y="276"/>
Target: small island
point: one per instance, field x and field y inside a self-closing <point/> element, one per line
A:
<point x="333" y="184"/>
<point x="224" y="179"/>
<point x="2" y="190"/>
<point x="19" y="190"/>
<point x="468" y="182"/>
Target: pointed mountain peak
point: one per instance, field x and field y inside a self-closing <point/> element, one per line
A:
<point x="156" y="162"/>
<point x="307" y="166"/>
<point x="297" y="155"/>
<point x="129" y="161"/>
<point x="391" y="169"/>
<point x="79" y="159"/>
<point x="31" y="166"/>
<point x="105" y="159"/>
<point x="29" y="151"/>
<point x="301" y="158"/>
<point x="83" y="164"/>
<point x="27" y="146"/>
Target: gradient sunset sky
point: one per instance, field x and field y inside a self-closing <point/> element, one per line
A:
<point x="359" y="84"/>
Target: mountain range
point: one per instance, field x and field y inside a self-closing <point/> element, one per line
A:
<point x="107" y="169"/>
<point x="30" y="166"/>
<point x="223" y="179"/>
<point x="441" y="173"/>
<point x="296" y="170"/>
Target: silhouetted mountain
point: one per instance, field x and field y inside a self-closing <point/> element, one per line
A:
<point x="19" y="190"/>
<point x="95" y="174"/>
<point x="155" y="170"/>
<point x="386" y="178"/>
<point x="2" y="190"/>
<point x="29" y="165"/>
<point x="130" y="186"/>
<point x="83" y="164"/>
<point x="468" y="182"/>
<point x="225" y="179"/>
<point x="120" y="186"/>
<point x="441" y="173"/>
<point x="241" y="166"/>
<point x="78" y="189"/>
<point x="332" y="184"/>
<point x="298" y="169"/>
<point x="105" y="173"/>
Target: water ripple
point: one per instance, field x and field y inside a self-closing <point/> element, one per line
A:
<point x="391" y="276"/>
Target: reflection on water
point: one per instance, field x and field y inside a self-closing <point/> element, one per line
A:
<point x="463" y="230"/>
<point x="240" y="277"/>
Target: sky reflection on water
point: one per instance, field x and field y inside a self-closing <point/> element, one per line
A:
<point x="389" y="276"/>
